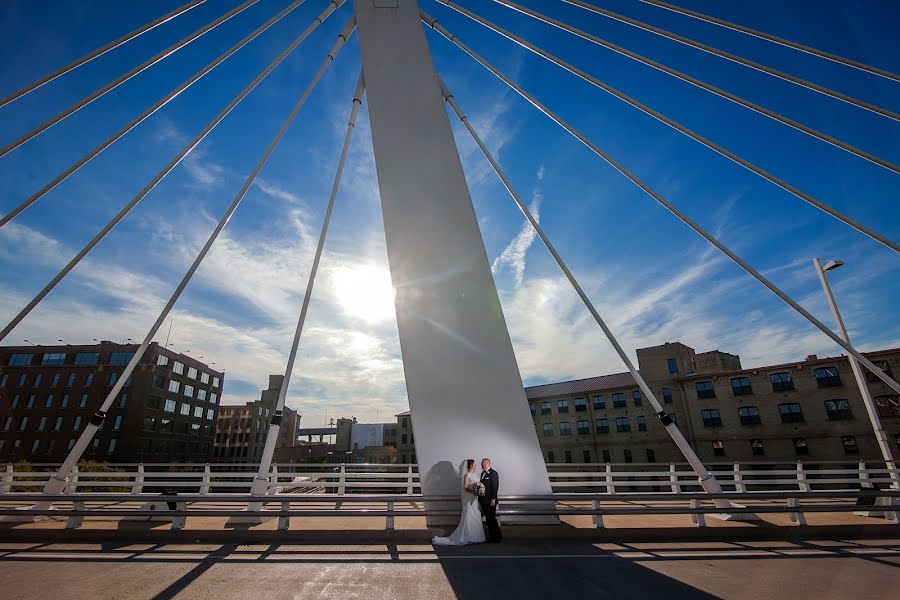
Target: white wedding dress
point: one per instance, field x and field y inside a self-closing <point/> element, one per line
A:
<point x="470" y="529"/>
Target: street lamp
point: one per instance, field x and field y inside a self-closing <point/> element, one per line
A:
<point x="880" y="434"/>
<point x="30" y="342"/>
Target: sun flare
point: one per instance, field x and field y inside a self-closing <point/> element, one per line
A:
<point x="365" y="292"/>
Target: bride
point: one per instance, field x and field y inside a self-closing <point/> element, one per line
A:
<point x="469" y="530"/>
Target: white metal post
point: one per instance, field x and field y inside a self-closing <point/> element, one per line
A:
<point x="260" y="484"/>
<point x="449" y="317"/>
<point x="880" y="435"/>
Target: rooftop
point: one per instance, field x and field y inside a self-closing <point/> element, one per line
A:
<point x="579" y="386"/>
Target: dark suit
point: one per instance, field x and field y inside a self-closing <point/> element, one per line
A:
<point x="491" y="481"/>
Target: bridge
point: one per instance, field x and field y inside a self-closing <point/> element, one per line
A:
<point x="449" y="323"/>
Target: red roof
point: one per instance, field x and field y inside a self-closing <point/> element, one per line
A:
<point x="581" y="386"/>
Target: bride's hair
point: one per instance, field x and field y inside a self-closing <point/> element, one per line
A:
<point x="469" y="463"/>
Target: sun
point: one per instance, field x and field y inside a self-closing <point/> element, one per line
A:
<point x="365" y="292"/>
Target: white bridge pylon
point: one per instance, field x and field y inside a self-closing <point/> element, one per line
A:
<point x="463" y="384"/>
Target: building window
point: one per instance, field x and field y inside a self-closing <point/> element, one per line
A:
<point x="706" y="389"/>
<point x="718" y="448"/>
<point x="54" y="359"/>
<point x="7" y="424"/>
<point x="545" y="408"/>
<point x="838" y="410"/>
<point x="598" y="402"/>
<point x="215" y="398"/>
<point x="89" y="378"/>
<point x="562" y="406"/>
<point x="117" y="423"/>
<point x="827" y="377"/>
<point x="87" y="358"/>
<point x="606" y="457"/>
<point x="34" y="446"/>
<point x="888" y="406"/>
<point x="711" y="417"/>
<point x="667" y="395"/>
<point x="71" y="380"/>
<point x="112" y="445"/>
<point x="550" y="457"/>
<point x="198" y="412"/>
<point x="800" y="446"/>
<point x="210" y="414"/>
<point x="651" y="455"/>
<point x="201" y="394"/>
<point x="58" y="425"/>
<point x="403" y="439"/>
<point x="204" y="377"/>
<point x="781" y="382"/>
<point x="757" y="447"/>
<point x="113" y="378"/>
<point x="178" y="367"/>
<point x="548" y="429"/>
<point x="568" y="456"/>
<point x="636" y="394"/>
<point x="49" y="402"/>
<point x="169" y="406"/>
<point x="622" y="424"/>
<point x="884" y="366"/>
<point x="77" y="425"/>
<point x="601" y="426"/>
<point x="584" y="426"/>
<point x="55" y="382"/>
<point x="849" y="443"/>
<point x="4" y="380"/>
<point x="618" y="400"/>
<point x="192" y="373"/>
<point x="71" y="444"/>
<point x="65" y="401"/>
<point x="162" y="360"/>
<point x="15" y="401"/>
<point x="627" y="455"/>
<point x="580" y="404"/>
<point x="23" y="379"/>
<point x="37" y="380"/>
<point x="120" y="358"/>
<point x="565" y="428"/>
<point x="159" y="382"/>
<point x="149" y="423"/>
<point x="23" y="423"/>
<point x="20" y="360"/>
<point x="215" y="382"/>
<point x="83" y="402"/>
<point x="673" y="365"/>
<point x="174" y="386"/>
<point x="741" y="386"/>
<point x="42" y="423"/>
<point x="30" y="403"/>
<point x="749" y="415"/>
<point x="642" y="423"/>
<point x="532" y="409"/>
<point x="790" y="413"/>
<point x="189" y="391"/>
<point x="185" y="409"/>
<point x="123" y="398"/>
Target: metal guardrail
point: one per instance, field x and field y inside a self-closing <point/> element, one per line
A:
<point x="696" y="504"/>
<point x="404" y="479"/>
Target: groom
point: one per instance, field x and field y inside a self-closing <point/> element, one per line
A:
<point x="491" y="481"/>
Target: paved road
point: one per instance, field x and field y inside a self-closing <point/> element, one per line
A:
<point x="817" y="569"/>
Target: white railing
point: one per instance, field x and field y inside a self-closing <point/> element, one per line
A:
<point x="403" y="479"/>
<point x="178" y="507"/>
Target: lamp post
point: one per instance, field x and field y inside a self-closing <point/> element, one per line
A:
<point x="880" y="434"/>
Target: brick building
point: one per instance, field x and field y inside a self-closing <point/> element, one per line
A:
<point x="165" y="412"/>
<point x="810" y="409"/>
<point x="241" y="430"/>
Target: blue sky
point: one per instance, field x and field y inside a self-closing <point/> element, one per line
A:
<point x="651" y="277"/>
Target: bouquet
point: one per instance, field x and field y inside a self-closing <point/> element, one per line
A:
<point x="479" y="489"/>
